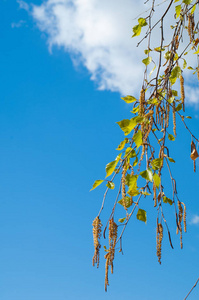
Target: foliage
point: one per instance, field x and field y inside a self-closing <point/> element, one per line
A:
<point x="144" y="154"/>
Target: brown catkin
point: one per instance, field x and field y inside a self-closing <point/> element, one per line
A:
<point x="111" y="251"/>
<point x="180" y="217"/>
<point x="141" y="157"/>
<point x="154" y="194"/>
<point x="167" y="114"/>
<point x="148" y="130"/>
<point x="96" y="239"/>
<point x="176" y="42"/>
<point x="159" y="237"/>
<point x="174" y="119"/>
<point x="123" y="180"/>
<point x="191" y="26"/>
<point x="182" y="91"/>
<point x="142" y="101"/>
<point x="198" y="73"/>
<point x="185" y="217"/>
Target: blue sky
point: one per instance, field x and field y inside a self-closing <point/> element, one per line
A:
<point x="58" y="132"/>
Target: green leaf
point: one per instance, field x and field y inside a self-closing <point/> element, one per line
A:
<point x="187" y="2"/>
<point x="156" y="180"/>
<point x="167" y="200"/>
<point x="146" y="194"/>
<point x="147" y="174"/>
<point x="193" y="9"/>
<point x="122" y="144"/>
<point x="194" y="53"/>
<point x="152" y="72"/>
<point x="118" y="157"/>
<point x="176" y="1"/>
<point x="141" y="215"/>
<point x="171" y="159"/>
<point x="178" y="10"/>
<point x="96" y="183"/>
<point x="147" y="60"/>
<point x="142" y="22"/>
<point x="167" y="55"/>
<point x="130" y="152"/>
<point x="137" y="30"/>
<point x="184" y="64"/>
<point x="138" y="138"/>
<point x="131" y="180"/>
<point x="126" y="202"/>
<point x="110" y="185"/>
<point x="171" y="99"/>
<point x="188" y="117"/>
<point x="174" y="93"/>
<point x="122" y="220"/>
<point x="178" y="107"/>
<point x="135" y="162"/>
<point x="171" y="137"/>
<point x="175" y="73"/>
<point x="110" y="167"/>
<point x="127" y="125"/>
<point x="129" y="99"/>
<point x="159" y="49"/>
<point x="156" y="163"/>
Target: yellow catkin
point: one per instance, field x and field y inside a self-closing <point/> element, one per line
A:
<point x="154" y="194"/>
<point x="123" y="180"/>
<point x="148" y="130"/>
<point x="167" y="114"/>
<point x="142" y="101"/>
<point x="141" y="157"/>
<point x="182" y="91"/>
<point x="185" y="217"/>
<point x="159" y="237"/>
<point x="96" y="239"/>
<point x="111" y="251"/>
<point x="174" y="119"/>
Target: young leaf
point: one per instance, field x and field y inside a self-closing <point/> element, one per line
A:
<point x="110" y="167"/>
<point x="147" y="174"/>
<point x="122" y="220"/>
<point x="110" y="185"/>
<point x="127" y="125"/>
<point x="138" y="138"/>
<point x="194" y="53"/>
<point x="96" y="183"/>
<point x="178" y="10"/>
<point x="156" y="163"/>
<point x="147" y="60"/>
<point x="130" y="152"/>
<point x="146" y="194"/>
<point x="187" y="2"/>
<point x="156" y="180"/>
<point x="122" y="144"/>
<point x="171" y="137"/>
<point x="141" y="215"/>
<point x="142" y="22"/>
<point x="178" y="107"/>
<point x="167" y="200"/>
<point x="171" y="159"/>
<point x="127" y="202"/>
<point x="175" y="73"/>
<point x="137" y="30"/>
<point x="129" y="99"/>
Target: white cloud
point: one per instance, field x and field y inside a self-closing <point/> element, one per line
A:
<point x="98" y="34"/>
<point x="23" y="5"/>
<point x="195" y="220"/>
<point x="18" y="24"/>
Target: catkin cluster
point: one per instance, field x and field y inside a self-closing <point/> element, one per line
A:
<point x="180" y="218"/>
<point x="111" y="251"/>
<point x="182" y="91"/>
<point x="96" y="239"/>
<point x="159" y="237"/>
<point x="123" y="181"/>
<point x="191" y="26"/>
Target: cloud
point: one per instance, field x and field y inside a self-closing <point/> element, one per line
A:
<point x="97" y="34"/>
<point x="23" y="5"/>
<point x="195" y="220"/>
<point x="18" y="24"/>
